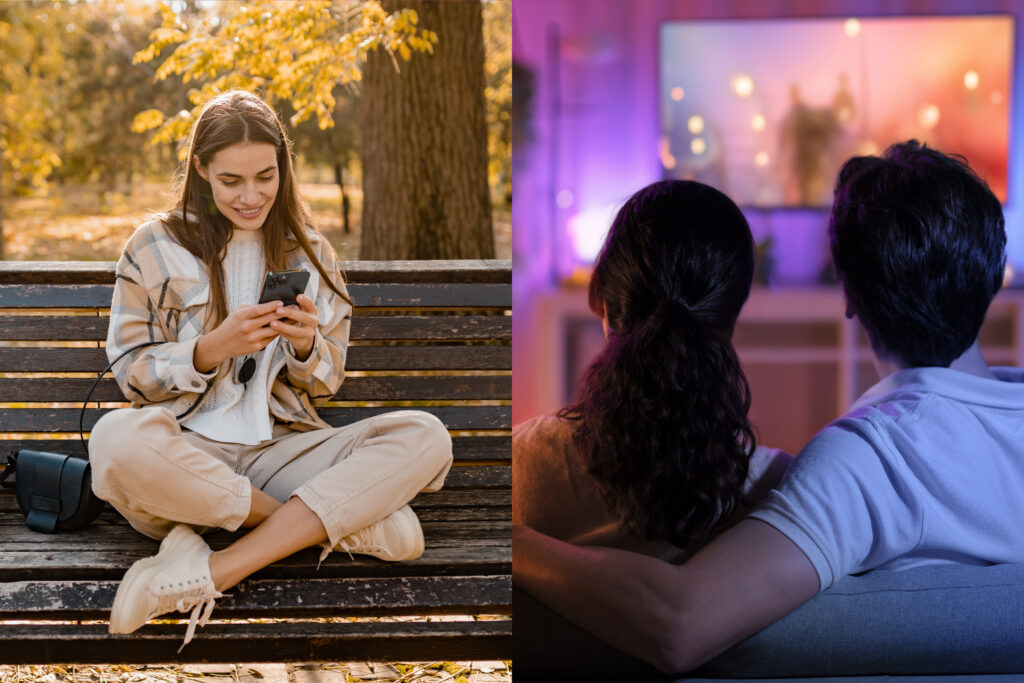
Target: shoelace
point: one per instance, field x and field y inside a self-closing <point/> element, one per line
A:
<point x="351" y="544"/>
<point x="201" y="602"/>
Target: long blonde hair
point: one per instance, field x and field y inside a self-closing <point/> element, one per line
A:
<point x="228" y="119"/>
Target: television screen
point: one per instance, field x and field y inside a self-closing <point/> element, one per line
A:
<point x="767" y="110"/>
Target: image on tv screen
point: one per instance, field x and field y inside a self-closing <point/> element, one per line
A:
<point x="767" y="110"/>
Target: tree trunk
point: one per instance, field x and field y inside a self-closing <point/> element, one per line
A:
<point x="339" y="179"/>
<point x="424" y="145"/>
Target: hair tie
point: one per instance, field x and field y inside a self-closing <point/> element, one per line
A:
<point x="669" y="307"/>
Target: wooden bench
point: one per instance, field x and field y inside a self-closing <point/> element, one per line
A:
<point x="435" y="335"/>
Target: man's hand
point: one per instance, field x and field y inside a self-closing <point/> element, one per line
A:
<point x="301" y="331"/>
<point x="245" y="331"/>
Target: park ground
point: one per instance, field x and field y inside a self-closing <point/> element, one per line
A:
<point x="83" y="223"/>
<point x="348" y="672"/>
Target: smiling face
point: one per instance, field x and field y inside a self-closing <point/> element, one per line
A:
<point x="244" y="178"/>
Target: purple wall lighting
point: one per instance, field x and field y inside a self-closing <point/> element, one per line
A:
<point x="594" y="136"/>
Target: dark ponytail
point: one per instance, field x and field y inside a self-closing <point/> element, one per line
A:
<point x="661" y="419"/>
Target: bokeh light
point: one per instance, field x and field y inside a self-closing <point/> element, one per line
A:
<point x="852" y="27"/>
<point x="695" y="124"/>
<point x="758" y="122"/>
<point x="928" y="116"/>
<point x="971" y="79"/>
<point x="677" y="93"/>
<point x="743" y="85"/>
<point x="698" y="146"/>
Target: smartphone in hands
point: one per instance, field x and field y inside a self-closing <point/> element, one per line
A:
<point x="284" y="286"/>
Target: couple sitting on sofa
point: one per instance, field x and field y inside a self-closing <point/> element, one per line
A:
<point x="645" y="514"/>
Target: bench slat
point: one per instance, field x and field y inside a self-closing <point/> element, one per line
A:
<point x="423" y="327"/>
<point x="102" y="272"/>
<point x="466" y="448"/>
<point x="43" y="359"/>
<point x="66" y="419"/>
<point x="446" y="554"/>
<point x="427" y="500"/>
<point x="396" y="388"/>
<point x="302" y="642"/>
<point x="301" y="598"/>
<point x="365" y="295"/>
<point x="473" y="477"/>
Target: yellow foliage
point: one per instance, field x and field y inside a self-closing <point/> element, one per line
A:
<point x="288" y="51"/>
<point x="147" y="120"/>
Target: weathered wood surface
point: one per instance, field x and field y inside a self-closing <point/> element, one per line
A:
<point x="467" y="564"/>
<point x="357" y="597"/>
<point x="454" y="417"/>
<point x="102" y="272"/>
<point x="366" y="295"/>
<point x="392" y="388"/>
<point x="374" y="641"/>
<point x="364" y="328"/>
<point x="475" y="477"/>
<point x="447" y="497"/>
<point x="449" y="555"/>
<point x="496" y="448"/>
<point x="380" y="358"/>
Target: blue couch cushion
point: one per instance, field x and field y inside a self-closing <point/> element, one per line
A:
<point x="938" y="619"/>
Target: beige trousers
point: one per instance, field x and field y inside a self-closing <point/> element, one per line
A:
<point x="157" y="475"/>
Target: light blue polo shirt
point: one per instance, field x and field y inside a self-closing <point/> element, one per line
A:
<point x="927" y="467"/>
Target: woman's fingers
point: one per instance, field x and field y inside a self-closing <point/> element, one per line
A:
<point x="292" y="331"/>
<point x="297" y="315"/>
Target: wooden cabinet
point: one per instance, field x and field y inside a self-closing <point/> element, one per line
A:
<point x="806" y="362"/>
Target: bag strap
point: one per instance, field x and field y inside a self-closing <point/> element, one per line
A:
<point x="81" y="415"/>
<point x="45" y="502"/>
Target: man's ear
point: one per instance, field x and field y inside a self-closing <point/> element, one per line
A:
<point x="199" y="169"/>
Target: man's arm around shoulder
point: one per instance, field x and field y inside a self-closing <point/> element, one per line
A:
<point x="675" y="617"/>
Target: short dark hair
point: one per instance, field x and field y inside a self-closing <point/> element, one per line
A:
<point x="919" y="243"/>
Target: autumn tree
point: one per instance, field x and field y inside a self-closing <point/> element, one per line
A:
<point x="424" y="146"/>
<point x="104" y="90"/>
<point x="30" y="66"/>
<point x="336" y="147"/>
<point x="300" y="54"/>
<point x="498" y="94"/>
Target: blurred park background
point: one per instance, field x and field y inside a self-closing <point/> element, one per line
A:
<point x="399" y="113"/>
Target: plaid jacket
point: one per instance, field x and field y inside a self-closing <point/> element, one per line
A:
<point x="162" y="295"/>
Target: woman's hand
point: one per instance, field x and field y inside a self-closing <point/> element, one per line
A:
<point x="302" y="330"/>
<point x="245" y="331"/>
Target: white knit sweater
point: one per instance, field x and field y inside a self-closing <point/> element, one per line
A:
<point x="233" y="412"/>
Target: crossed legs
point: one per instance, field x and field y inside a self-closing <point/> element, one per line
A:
<point x="300" y="490"/>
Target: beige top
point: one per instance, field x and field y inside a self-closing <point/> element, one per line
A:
<point x="553" y="493"/>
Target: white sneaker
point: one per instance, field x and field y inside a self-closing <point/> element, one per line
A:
<point x="175" y="579"/>
<point x="396" y="538"/>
